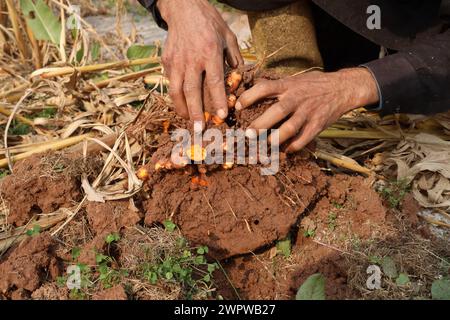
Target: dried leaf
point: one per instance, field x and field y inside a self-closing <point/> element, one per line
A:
<point x="91" y="194"/>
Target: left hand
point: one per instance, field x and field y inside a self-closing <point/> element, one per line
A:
<point x="309" y="103"/>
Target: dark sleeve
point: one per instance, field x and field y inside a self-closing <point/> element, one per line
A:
<point x="416" y="80"/>
<point x="150" y="5"/>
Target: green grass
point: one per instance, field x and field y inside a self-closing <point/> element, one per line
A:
<point x="18" y="128"/>
<point x="48" y="113"/>
<point x="395" y="192"/>
<point x="332" y="224"/>
<point x="189" y="268"/>
<point x="4" y="173"/>
<point x="309" y="233"/>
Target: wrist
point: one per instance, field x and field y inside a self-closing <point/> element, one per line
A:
<point x="164" y="8"/>
<point x="359" y="86"/>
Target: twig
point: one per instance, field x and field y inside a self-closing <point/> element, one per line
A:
<point x="11" y="117"/>
<point x="125" y="77"/>
<point x="14" y="18"/>
<point x="17" y="116"/>
<point x="246" y="191"/>
<point x="331" y="247"/>
<point x="228" y="279"/>
<point x="436" y="222"/>
<point x="342" y="162"/>
<point x="210" y="206"/>
<point x="231" y="209"/>
<point x="54" y="145"/>
<point x="62" y="71"/>
<point x="16" y="89"/>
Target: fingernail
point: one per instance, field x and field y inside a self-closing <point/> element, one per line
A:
<point x="222" y="114"/>
<point x="238" y="106"/>
<point x="198" y="126"/>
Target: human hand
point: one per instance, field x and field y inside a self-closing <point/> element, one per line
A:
<point x="193" y="56"/>
<point x="309" y="103"/>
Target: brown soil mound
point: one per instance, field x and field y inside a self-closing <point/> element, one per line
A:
<point x="237" y="204"/>
<point x="42" y="184"/>
<point x="106" y="218"/>
<point x="28" y="265"/>
<point x="349" y="211"/>
<point x="239" y="210"/>
<point x="30" y="191"/>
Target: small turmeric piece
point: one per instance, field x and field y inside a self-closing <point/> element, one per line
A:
<point x="166" y="126"/>
<point x="142" y="174"/>
<point x="231" y="101"/>
<point x="198" y="181"/>
<point x="233" y="81"/>
<point x="217" y="120"/>
<point x="207" y="116"/>
<point x="228" y="165"/>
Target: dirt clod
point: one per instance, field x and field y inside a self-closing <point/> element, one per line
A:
<point x="36" y="188"/>
<point x="29" y="264"/>
<point x="114" y="293"/>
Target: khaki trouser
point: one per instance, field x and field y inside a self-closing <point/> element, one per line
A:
<point x="290" y="28"/>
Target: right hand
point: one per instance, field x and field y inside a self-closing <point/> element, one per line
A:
<point x="194" y="52"/>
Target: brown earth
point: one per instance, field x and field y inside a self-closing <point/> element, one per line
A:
<point x="240" y="215"/>
<point x="237" y="204"/>
<point x="29" y="264"/>
<point x="44" y="183"/>
<point x="114" y="293"/>
<point x="348" y="211"/>
<point x="106" y="218"/>
<point x="31" y="190"/>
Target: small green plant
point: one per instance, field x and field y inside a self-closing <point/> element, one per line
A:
<point x="85" y="277"/>
<point x="18" y="128"/>
<point x="58" y="167"/>
<point x="189" y="268"/>
<point x="48" y="113"/>
<point x="332" y="223"/>
<point x="440" y="289"/>
<point x="312" y="289"/>
<point x="337" y="205"/>
<point x="395" y="192"/>
<point x="103" y="272"/>
<point x="284" y="247"/>
<point x="309" y="233"/>
<point x="34" y="231"/>
<point x="375" y="259"/>
<point x="112" y="237"/>
<point x="77" y="294"/>
<point x="108" y="276"/>
<point x="75" y="253"/>
<point x="4" y="173"/>
<point x="169" y="225"/>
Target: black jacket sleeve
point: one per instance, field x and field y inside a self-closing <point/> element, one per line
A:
<point x="150" y="5"/>
<point x="417" y="79"/>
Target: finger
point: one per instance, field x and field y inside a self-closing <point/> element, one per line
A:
<point x="306" y="135"/>
<point x="234" y="57"/>
<point x="271" y="116"/>
<point x="177" y="94"/>
<point x="261" y="90"/>
<point x="290" y="128"/>
<point x="192" y="88"/>
<point x="216" y="87"/>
